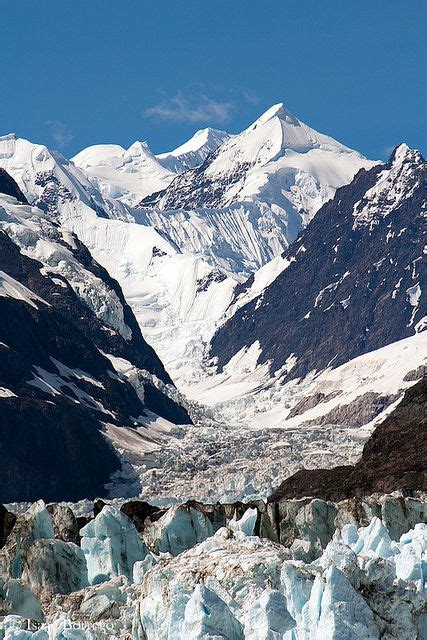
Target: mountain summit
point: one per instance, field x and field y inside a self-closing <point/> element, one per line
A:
<point x="278" y="160"/>
<point x="193" y="152"/>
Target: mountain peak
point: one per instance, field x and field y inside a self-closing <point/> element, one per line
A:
<point x="403" y="153"/>
<point x="8" y="136"/>
<point x="194" y="151"/>
<point x="140" y="148"/>
<point x="278" y="111"/>
<point x="202" y="137"/>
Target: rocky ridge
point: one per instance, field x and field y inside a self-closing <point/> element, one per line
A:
<point x="333" y="301"/>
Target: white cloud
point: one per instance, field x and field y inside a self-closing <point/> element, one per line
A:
<point x="199" y="108"/>
<point x="60" y="133"/>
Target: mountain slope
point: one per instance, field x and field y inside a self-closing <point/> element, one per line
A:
<point x="193" y="152"/>
<point x="353" y="280"/>
<point x="64" y="326"/>
<point x="393" y="458"/>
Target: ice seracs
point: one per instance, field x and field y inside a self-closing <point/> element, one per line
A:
<point x="230" y="586"/>
<point x="54" y="566"/>
<point x="179" y="529"/>
<point x="336" y="610"/>
<point x="269" y="618"/>
<point x="111" y="545"/>
<point x="207" y="616"/>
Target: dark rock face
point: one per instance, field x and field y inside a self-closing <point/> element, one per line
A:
<point x="7" y="520"/>
<point x="359" y="412"/>
<point x="309" y="402"/>
<point x="64" y="522"/>
<point x="98" y="506"/>
<point x="353" y="282"/>
<point x="195" y="188"/>
<point x="393" y="458"/>
<point x="139" y="510"/>
<point x="10" y="188"/>
<point x="60" y="388"/>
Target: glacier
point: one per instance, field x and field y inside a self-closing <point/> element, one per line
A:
<point x="232" y="585"/>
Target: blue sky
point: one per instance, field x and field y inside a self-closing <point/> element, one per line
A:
<point x="78" y="72"/>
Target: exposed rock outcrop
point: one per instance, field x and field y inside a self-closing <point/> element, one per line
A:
<point x="393" y="458"/>
<point x="334" y="301"/>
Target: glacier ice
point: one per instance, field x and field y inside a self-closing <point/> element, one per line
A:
<point x="246" y="524"/>
<point x="178" y="529"/>
<point x="21" y="601"/>
<point x="141" y="567"/>
<point x="34" y="524"/>
<point x="268" y="618"/>
<point x="229" y="586"/>
<point x="111" y="545"/>
<point x="411" y="562"/>
<point x="207" y="617"/>
<point x="345" y="594"/>
<point x="55" y="566"/>
<point x="373" y="540"/>
<point x="337" y="611"/>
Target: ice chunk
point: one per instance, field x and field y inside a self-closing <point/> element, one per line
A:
<point x="373" y="541"/>
<point x="208" y="617"/>
<point x="32" y="525"/>
<point x="349" y="535"/>
<point x="104" y="600"/>
<point x="339" y="554"/>
<point x="55" y="566"/>
<point x="64" y="629"/>
<point x="314" y="522"/>
<point x="111" y="545"/>
<point x="246" y="524"/>
<point x="21" y="601"/>
<point x="411" y="563"/>
<point x="180" y="528"/>
<point x="297" y="583"/>
<point x="14" y="627"/>
<point x="336" y="611"/>
<point x="268" y="618"/>
<point x="64" y="522"/>
<point x="141" y="567"/>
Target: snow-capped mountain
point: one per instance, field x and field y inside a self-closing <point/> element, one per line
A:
<point x="278" y="160"/>
<point x="193" y="152"/>
<point x="353" y="280"/>
<point x="179" y="284"/>
<point x="74" y="365"/>
<point x="128" y="175"/>
<point x="184" y="272"/>
<point x="53" y="183"/>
